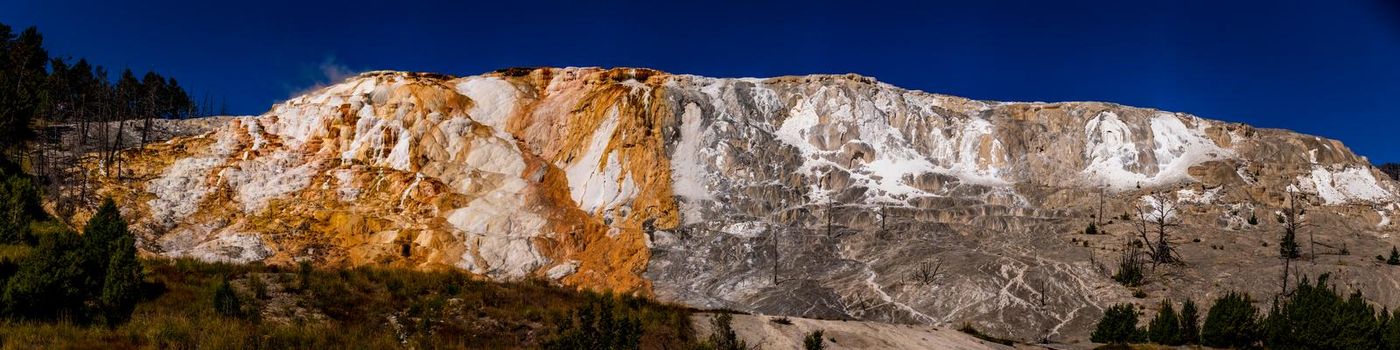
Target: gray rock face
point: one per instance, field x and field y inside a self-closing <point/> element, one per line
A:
<point x="838" y="197"/>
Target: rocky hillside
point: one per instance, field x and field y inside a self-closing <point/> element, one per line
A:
<point x="827" y="196"/>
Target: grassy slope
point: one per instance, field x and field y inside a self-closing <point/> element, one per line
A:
<point x="358" y="308"/>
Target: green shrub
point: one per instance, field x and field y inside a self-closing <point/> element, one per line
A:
<point x="1190" y="323"/>
<point x="601" y="324"/>
<point x="813" y="341"/>
<point x="722" y="336"/>
<point x="1314" y="316"/>
<point x="1118" y="325"/>
<point x="122" y="287"/>
<point x="1231" y="322"/>
<point x="1165" y="329"/>
<point x="43" y="287"/>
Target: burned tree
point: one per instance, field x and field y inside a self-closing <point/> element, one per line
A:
<point x="1157" y="216"/>
<point x="1288" y="244"/>
<point x="927" y="272"/>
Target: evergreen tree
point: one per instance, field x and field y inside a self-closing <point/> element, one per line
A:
<point x="1190" y="323"/>
<point x="1231" y="322"/>
<point x="18" y="199"/>
<point x="1118" y="325"/>
<point x="1394" y="256"/>
<point x="1316" y="317"/>
<point x="22" y="76"/>
<point x="1358" y="327"/>
<point x="1288" y="245"/>
<point x="1165" y="329"/>
<point x="1390" y="331"/>
<point x="45" y="285"/>
<point x="108" y="261"/>
<point x="106" y="232"/>
<point x="597" y="326"/>
<point x="1092" y="229"/>
<point x="122" y="287"/>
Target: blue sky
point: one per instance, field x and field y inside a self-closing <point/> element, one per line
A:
<point x="1329" y="68"/>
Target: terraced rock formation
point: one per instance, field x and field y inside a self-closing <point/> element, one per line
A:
<point x="828" y="196"/>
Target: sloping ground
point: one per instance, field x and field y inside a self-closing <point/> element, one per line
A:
<point x="822" y="196"/>
<point x="764" y="333"/>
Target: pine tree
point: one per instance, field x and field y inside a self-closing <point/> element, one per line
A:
<point x="22" y="76"/>
<point x="1390" y="331"/>
<point x="1092" y="229"/>
<point x="598" y="326"/>
<point x="1231" y="322"/>
<point x="18" y="200"/>
<point x="1288" y="245"/>
<point x="1118" y="325"/>
<point x="1316" y="317"/>
<point x="122" y="287"/>
<point x="106" y="232"/>
<point x="43" y="288"/>
<point x="1165" y="329"/>
<point x="1358" y="327"/>
<point x="1190" y="323"/>
<point x="1394" y="257"/>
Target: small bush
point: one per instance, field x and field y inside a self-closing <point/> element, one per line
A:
<point x="813" y="341"/>
<point x="782" y="321"/>
<point x="722" y="336"/>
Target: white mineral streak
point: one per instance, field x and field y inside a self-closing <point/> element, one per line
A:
<point x="1339" y="185"/>
<point x="1114" y="158"/>
<point x="596" y="179"/>
<point x="183" y="186"/>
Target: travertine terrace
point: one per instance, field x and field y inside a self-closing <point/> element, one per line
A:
<point x="702" y="190"/>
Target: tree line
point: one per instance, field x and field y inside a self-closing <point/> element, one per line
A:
<point x="43" y="98"/>
<point x="1313" y="316"/>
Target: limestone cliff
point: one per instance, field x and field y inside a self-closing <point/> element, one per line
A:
<point x="698" y="189"/>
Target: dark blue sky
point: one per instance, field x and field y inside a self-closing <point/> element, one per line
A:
<point x="1330" y="68"/>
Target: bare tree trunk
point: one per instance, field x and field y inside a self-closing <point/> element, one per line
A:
<point x="773" y="236"/>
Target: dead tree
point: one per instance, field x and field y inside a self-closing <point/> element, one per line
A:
<point x="1159" y="218"/>
<point x="1288" y="244"/>
<point x="773" y="237"/>
<point x="928" y="272"/>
